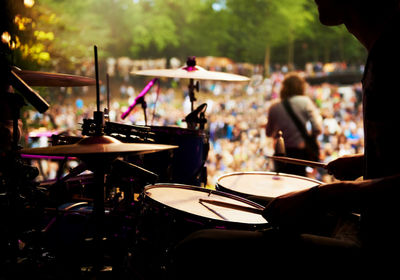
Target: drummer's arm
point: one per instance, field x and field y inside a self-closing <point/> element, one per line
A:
<point x="348" y="167"/>
<point x="293" y="209"/>
<point x="357" y="195"/>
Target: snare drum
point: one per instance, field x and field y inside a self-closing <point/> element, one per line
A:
<point x="262" y="187"/>
<point x="171" y="211"/>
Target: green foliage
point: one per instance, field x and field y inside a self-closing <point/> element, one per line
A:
<point x="241" y="30"/>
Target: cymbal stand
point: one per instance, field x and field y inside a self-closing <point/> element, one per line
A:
<point x="15" y="175"/>
<point x="98" y="165"/>
<point x="16" y="104"/>
<point x="15" y="101"/>
<point x="98" y="115"/>
<point x="192" y="87"/>
<point x="107" y="109"/>
<point x="191" y="66"/>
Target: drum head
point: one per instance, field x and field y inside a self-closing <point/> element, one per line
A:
<point x="186" y="199"/>
<point x="264" y="184"/>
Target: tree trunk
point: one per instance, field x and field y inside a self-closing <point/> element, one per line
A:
<point x="267" y="61"/>
<point x="291" y="52"/>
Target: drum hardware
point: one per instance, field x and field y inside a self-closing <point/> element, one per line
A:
<point x="60" y="139"/>
<point x="171" y="166"/>
<point x="140" y="100"/>
<point x="32" y="96"/>
<point x="107" y="109"/>
<point x="17" y="185"/>
<point x="192" y="87"/>
<point x="124" y="167"/>
<point x="73" y="173"/>
<point x="70" y="187"/>
<point x="123" y="132"/>
<point x="98" y="152"/>
<point x="130" y="179"/>
<point x="197" y="116"/>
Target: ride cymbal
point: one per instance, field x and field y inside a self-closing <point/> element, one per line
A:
<point x="192" y="72"/>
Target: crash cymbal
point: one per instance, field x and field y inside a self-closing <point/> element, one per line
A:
<point x="46" y="79"/>
<point x="97" y="145"/>
<point x="192" y="72"/>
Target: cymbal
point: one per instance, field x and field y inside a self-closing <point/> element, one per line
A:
<point x="97" y="145"/>
<point x="47" y="79"/>
<point x="192" y="72"/>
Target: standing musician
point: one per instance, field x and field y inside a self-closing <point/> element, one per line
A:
<point x="365" y="238"/>
<point x="279" y="119"/>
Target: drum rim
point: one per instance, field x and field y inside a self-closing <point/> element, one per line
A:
<point x="191" y="187"/>
<point x="266" y="173"/>
<point x="220" y="186"/>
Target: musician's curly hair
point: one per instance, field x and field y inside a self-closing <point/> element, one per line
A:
<point x="293" y="84"/>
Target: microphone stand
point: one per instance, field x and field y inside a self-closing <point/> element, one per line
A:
<point x="144" y="107"/>
<point x="140" y="98"/>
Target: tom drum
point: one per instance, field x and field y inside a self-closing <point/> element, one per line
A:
<point x="262" y="187"/>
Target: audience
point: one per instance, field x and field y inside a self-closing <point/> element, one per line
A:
<point x="236" y="118"/>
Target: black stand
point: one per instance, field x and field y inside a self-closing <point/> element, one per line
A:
<point x="192" y="87"/>
<point x="144" y="107"/>
<point x="191" y="64"/>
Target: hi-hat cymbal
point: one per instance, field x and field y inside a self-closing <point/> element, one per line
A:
<point x="192" y="72"/>
<point x="97" y="145"/>
<point x="46" y="79"/>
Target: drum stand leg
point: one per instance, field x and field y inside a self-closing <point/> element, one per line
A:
<point x="98" y="214"/>
<point x="99" y="167"/>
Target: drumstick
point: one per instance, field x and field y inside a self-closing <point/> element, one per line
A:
<point x="215" y="212"/>
<point x="232" y="206"/>
<point x="299" y="161"/>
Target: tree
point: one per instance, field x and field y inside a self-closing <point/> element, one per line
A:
<point x="254" y="31"/>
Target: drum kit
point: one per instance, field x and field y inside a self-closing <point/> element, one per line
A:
<point x="168" y="163"/>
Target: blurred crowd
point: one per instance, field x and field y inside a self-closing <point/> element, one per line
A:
<point x="236" y="118"/>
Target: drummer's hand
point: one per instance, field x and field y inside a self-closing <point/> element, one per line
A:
<point x="291" y="211"/>
<point x="303" y="210"/>
<point x="349" y="167"/>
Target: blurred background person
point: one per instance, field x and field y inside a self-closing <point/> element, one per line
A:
<point x="293" y="92"/>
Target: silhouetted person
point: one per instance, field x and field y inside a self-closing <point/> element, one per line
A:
<point x="363" y="213"/>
